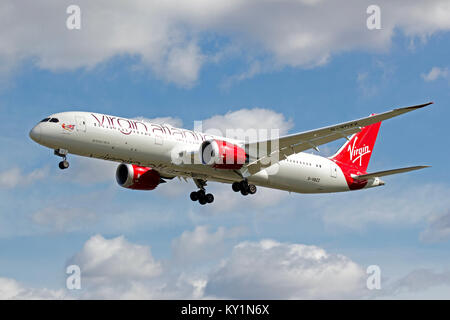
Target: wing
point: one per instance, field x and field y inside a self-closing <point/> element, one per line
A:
<point x="386" y="172"/>
<point x="276" y="150"/>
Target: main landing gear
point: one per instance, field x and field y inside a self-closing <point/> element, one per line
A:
<point x="244" y="187"/>
<point x="201" y="196"/>
<point x="64" y="164"/>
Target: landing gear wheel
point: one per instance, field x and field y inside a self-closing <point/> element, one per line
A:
<point x="243" y="185"/>
<point x="200" y="194"/>
<point x="63" y="164"/>
<point x="201" y="197"/>
<point x="209" y="198"/>
<point x="63" y="154"/>
<point x="194" y="196"/>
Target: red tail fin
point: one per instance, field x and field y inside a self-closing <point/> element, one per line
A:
<point x="356" y="152"/>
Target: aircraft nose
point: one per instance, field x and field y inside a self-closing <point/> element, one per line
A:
<point x="35" y="133"/>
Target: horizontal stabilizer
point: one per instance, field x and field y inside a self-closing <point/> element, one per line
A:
<point x="386" y="172"/>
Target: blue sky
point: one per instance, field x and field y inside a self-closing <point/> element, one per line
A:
<point x="49" y="218"/>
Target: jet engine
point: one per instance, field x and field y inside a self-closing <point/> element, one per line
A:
<point x="222" y="154"/>
<point x="136" y="177"/>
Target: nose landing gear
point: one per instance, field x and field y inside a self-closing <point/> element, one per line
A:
<point x="63" y="164"/>
<point x="63" y="154"/>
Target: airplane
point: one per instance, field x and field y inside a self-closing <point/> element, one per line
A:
<point x="152" y="153"/>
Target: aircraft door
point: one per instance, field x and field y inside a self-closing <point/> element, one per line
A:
<point x="333" y="169"/>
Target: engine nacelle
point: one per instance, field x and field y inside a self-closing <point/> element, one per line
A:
<point x="136" y="177"/>
<point x="222" y="154"/>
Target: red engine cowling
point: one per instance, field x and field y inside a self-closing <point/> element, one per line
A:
<point x="138" y="178"/>
<point x="222" y="154"/>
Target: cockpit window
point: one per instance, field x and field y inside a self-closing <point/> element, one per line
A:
<point x="54" y="120"/>
<point x="45" y="120"/>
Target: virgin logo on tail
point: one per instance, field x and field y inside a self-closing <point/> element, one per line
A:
<point x="357" y="153"/>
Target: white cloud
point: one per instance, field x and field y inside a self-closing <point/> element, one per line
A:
<point x="168" y="37"/>
<point x="115" y="259"/>
<point x="255" y="119"/>
<point x="14" y="177"/>
<point x="116" y="268"/>
<point x="119" y="269"/>
<point x="435" y="73"/>
<point x="11" y="289"/>
<point x="183" y="64"/>
<point x="418" y="18"/>
<point x="148" y="31"/>
<point x="273" y="270"/>
<point x="200" y="244"/>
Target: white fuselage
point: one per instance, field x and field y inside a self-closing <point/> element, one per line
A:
<point x="153" y="145"/>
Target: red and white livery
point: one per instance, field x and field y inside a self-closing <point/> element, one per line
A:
<point x="151" y="153"/>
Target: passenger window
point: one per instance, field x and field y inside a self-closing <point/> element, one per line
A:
<point x="54" y="120"/>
